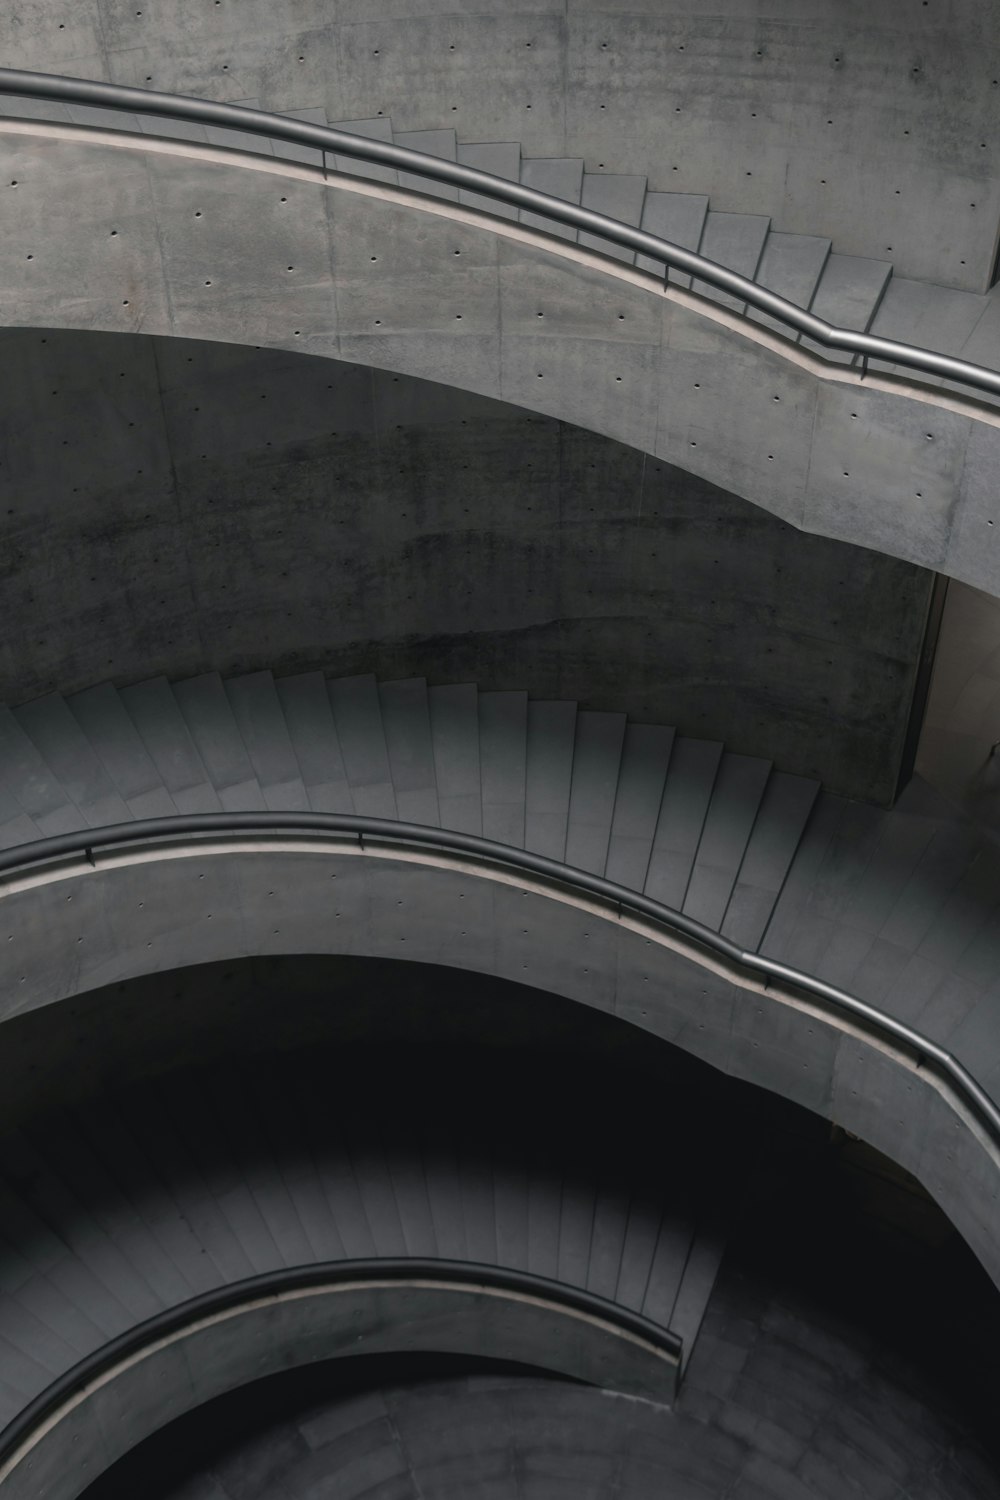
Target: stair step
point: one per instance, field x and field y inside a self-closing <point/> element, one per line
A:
<point x="379" y="129"/>
<point x="560" y="177"/>
<point x="406" y="719"/>
<point x="215" y="732"/>
<point x="240" y="140"/>
<point x="31" y="787"/>
<point x="645" y="759"/>
<point x="677" y="217"/>
<point x="311" y="156"/>
<point x="432" y="143"/>
<point x="548" y="777"/>
<point x="357" y="714"/>
<point x="791" y="266"/>
<point x="849" y="292"/>
<point x="732" y="812"/>
<point x="619" y="196"/>
<point x="686" y="796"/>
<point x="64" y="747"/>
<point x="261" y="722"/>
<point x="153" y="709"/>
<point x="102" y="716"/>
<point x="305" y="703"/>
<point x="503" y="721"/>
<point x="735" y="241"/>
<point x="454" y="718"/>
<point x="596" y="763"/>
<point x="787" y="803"/>
<point x="500" y="159"/>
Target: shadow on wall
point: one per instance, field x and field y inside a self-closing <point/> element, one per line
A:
<point x="959" y="752"/>
<point x="168" y="506"/>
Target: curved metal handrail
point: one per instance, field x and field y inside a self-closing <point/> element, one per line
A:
<point x="329" y="140"/>
<point x="326" y="1274"/>
<point x="168" y="830"/>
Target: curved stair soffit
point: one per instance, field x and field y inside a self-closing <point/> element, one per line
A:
<point x="651" y="402"/>
<point x="369" y="887"/>
<point x="200" y="1349"/>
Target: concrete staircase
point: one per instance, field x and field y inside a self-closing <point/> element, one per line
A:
<point x="845" y="289"/>
<point x="699" y="828"/>
<point x="144" y="1199"/>
<point x="902" y="907"/>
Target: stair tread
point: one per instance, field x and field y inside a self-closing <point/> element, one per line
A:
<point x="729" y="821"/>
<point x="454" y="719"/>
<point x="104" y="719"/>
<point x="787" y="803"/>
<point x="735" y="241"/>
<point x="357" y="714"/>
<point x="289" y="150"/>
<point x="406" y="719"/>
<point x="502" y="750"/>
<point x="791" y="265"/>
<point x="240" y="140"/>
<point x="32" y="786"/>
<point x="213" y="728"/>
<point x="305" y="704"/>
<point x="596" y="765"/>
<point x="260" y="719"/>
<point x="618" y="195"/>
<point x="161" y="726"/>
<point x="500" y="159"/>
<point x="65" y="749"/>
<point x="677" y="217"/>
<point x="432" y="143"/>
<point x="690" y="778"/>
<point x="645" y="760"/>
<point x="377" y="129"/>
<point x="548" y="776"/>
<point x="560" y="177"/>
<point x="849" y="292"/>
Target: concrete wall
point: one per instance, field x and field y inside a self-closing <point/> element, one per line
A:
<point x="80" y="928"/>
<point x="148" y="241"/>
<point x="169" y="506"/>
<point x="221" y="1352"/>
<point x="869" y="124"/>
<point x="962" y="723"/>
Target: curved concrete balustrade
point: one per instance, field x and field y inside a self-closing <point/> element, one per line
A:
<point x="191" y="1233"/>
<point x="899" y="908"/>
<point x="79" y="926"/>
<point x="158" y="1377"/>
<point x="249" y="249"/>
<point x="862" y="124"/>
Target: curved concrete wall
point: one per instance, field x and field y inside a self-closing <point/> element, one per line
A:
<point x="172" y="241"/>
<point x="77" y="928"/>
<point x="170" y="506"/>
<point x="278" y="1332"/>
<point x="862" y="123"/>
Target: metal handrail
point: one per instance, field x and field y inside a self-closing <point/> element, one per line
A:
<point x="327" y="1274"/>
<point x="329" y="140"/>
<point x="168" y="830"/>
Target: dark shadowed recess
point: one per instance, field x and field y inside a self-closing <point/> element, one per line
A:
<point x="170" y="506"/>
<point x="850" y="1326"/>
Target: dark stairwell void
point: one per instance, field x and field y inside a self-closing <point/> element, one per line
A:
<point x="175" y="507"/>
<point x="845" y="1349"/>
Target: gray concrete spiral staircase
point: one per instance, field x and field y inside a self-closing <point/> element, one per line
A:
<point x="901" y="906"/>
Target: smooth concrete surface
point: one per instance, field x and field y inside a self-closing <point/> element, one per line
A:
<point x="177" y="506"/>
<point x="510" y="1438"/>
<point x="962" y="723"/>
<point x="154" y="241"/>
<point x="80" y="931"/>
<point x="282" y="1332"/>
<point x="862" y="124"/>
<point x="810" y="1381"/>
